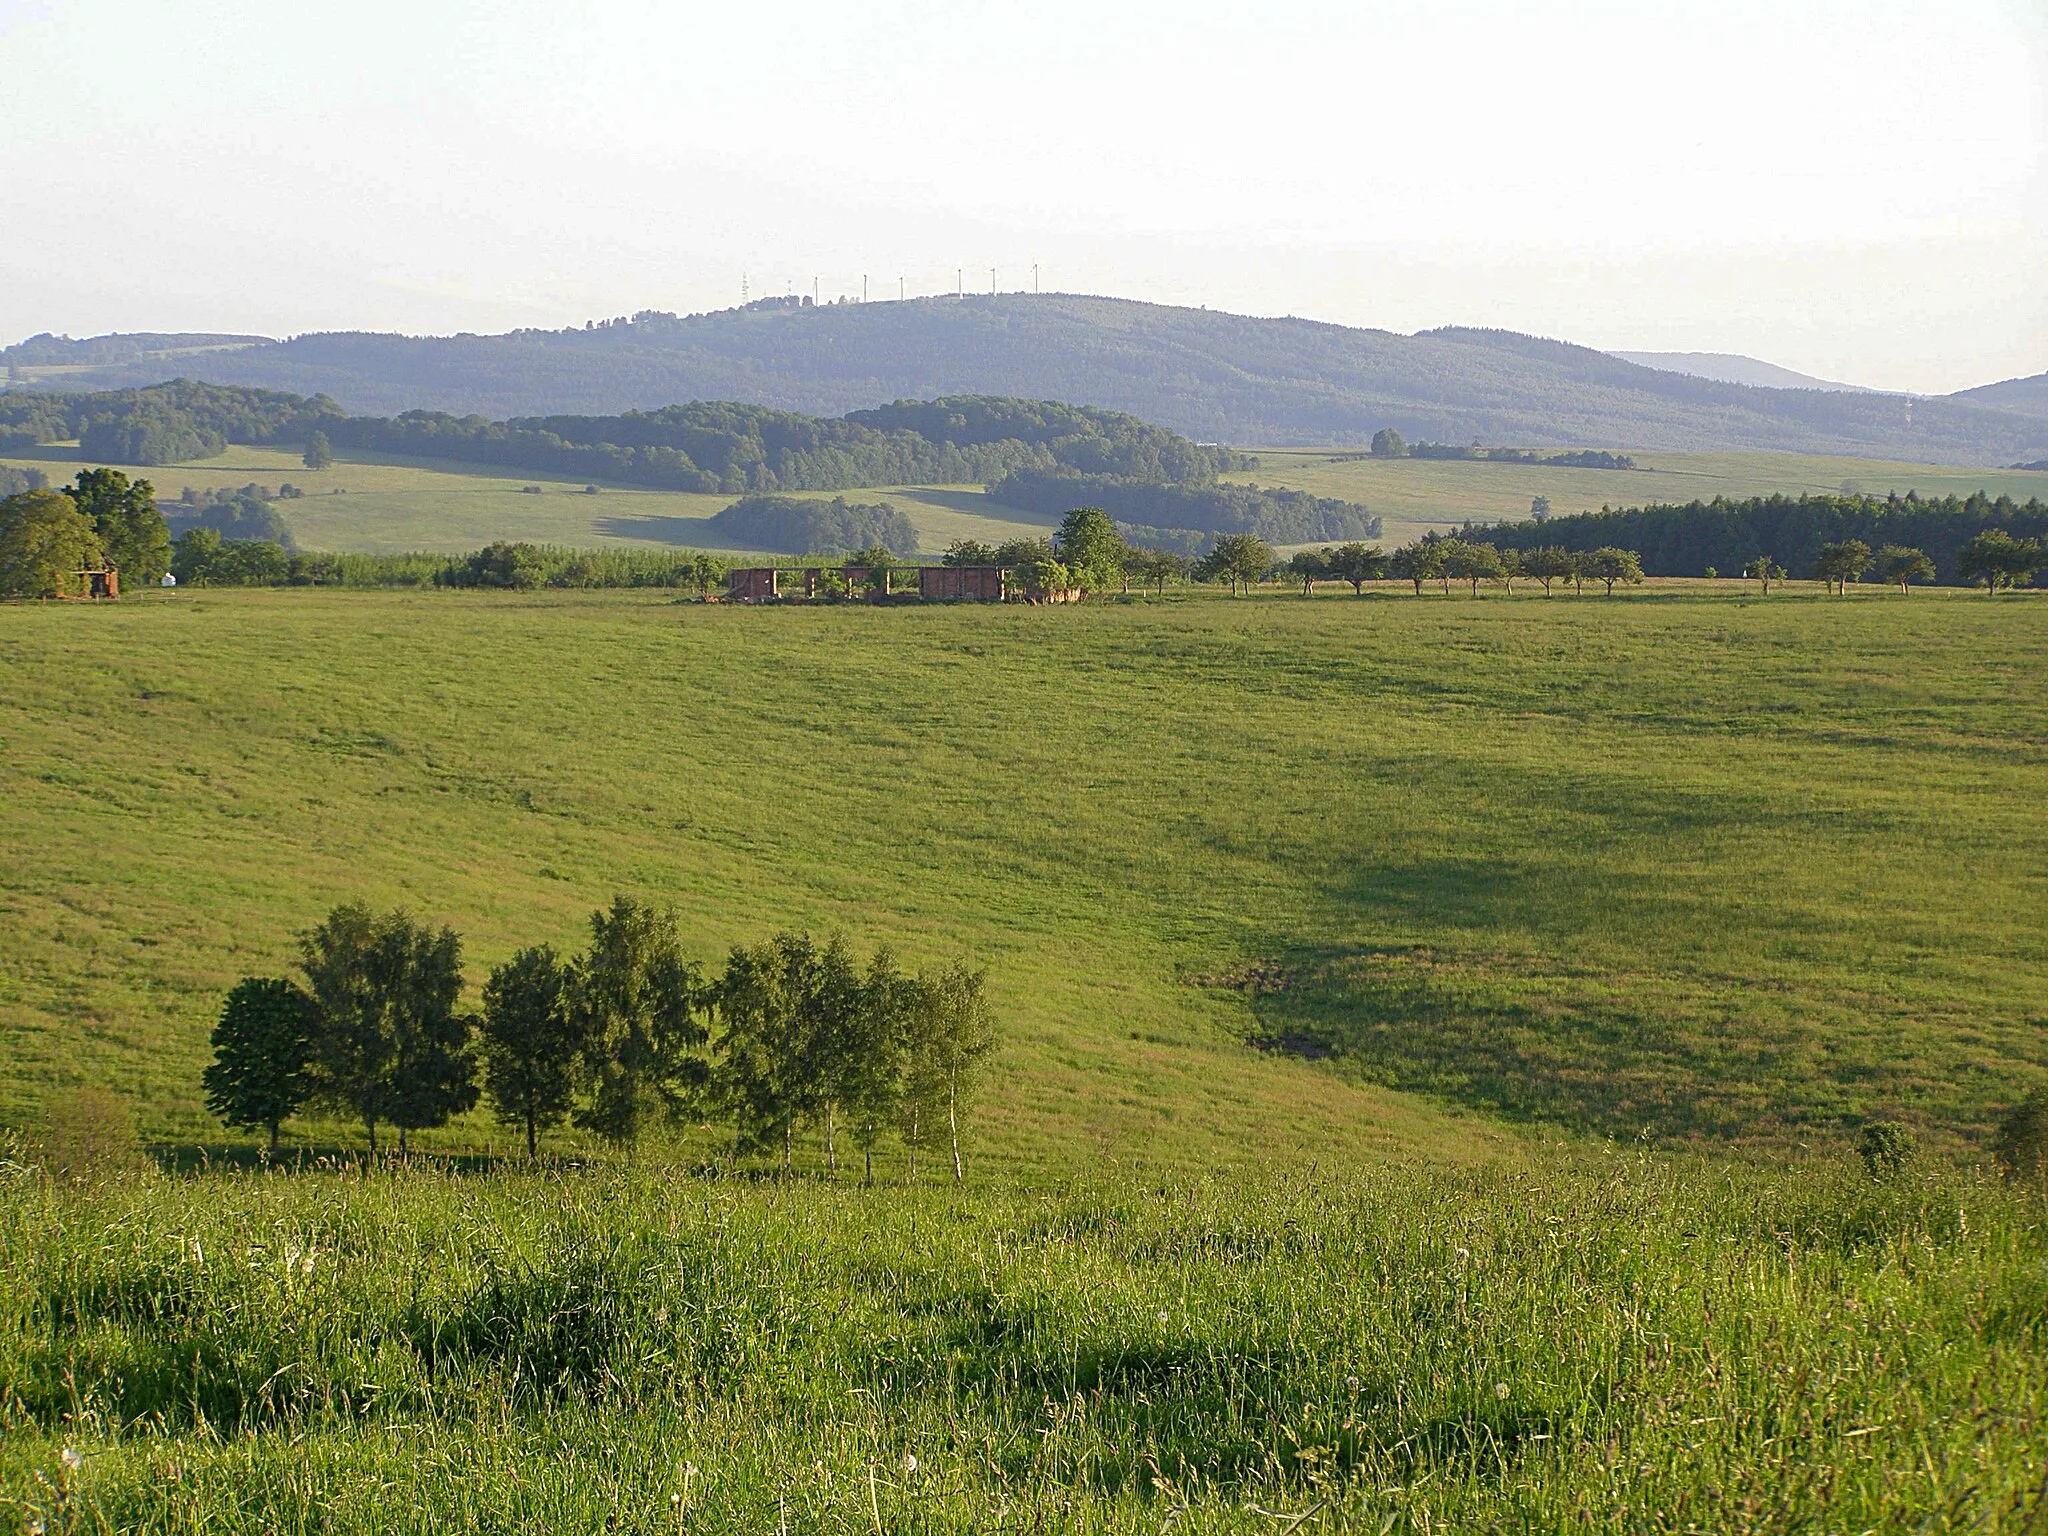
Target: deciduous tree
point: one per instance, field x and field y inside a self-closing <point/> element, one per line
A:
<point x="1611" y="565"/>
<point x="531" y="1046"/>
<point x="1839" y="564"/>
<point x="132" y="533"/>
<point x="1999" y="560"/>
<point x="1547" y="563"/>
<point x="636" y="1001"/>
<point x="1358" y="564"/>
<point x="1902" y="565"/>
<point x="261" y="1047"/>
<point x="44" y="539"/>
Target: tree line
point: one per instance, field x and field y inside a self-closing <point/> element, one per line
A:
<point x="1725" y="535"/>
<point x="792" y="1038"/>
<point x="1206" y="509"/>
<point x="1387" y="443"/>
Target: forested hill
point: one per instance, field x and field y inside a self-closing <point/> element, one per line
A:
<point x="1210" y="375"/>
<point x="709" y="446"/>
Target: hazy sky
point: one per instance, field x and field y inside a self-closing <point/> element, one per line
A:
<point x="1856" y="188"/>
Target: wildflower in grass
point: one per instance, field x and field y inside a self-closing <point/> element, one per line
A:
<point x="909" y="1464"/>
<point x="1351" y="1382"/>
<point x="72" y="1459"/>
<point x="1464" y="1254"/>
<point x="1500" y="1390"/>
<point x="1162" y="1317"/>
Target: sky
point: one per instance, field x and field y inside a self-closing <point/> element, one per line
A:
<point x="1857" y="189"/>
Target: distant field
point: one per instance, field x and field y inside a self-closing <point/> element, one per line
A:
<point x="1684" y="861"/>
<point x="390" y="507"/>
<point x="1415" y="495"/>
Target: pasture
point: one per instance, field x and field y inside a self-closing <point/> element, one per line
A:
<point x="1432" y="1034"/>
<point x="1685" y="864"/>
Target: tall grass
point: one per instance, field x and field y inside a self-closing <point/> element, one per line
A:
<point x="1612" y="1342"/>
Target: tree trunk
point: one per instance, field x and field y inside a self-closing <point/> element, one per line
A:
<point x="273" y="1141"/>
<point x="370" y="1125"/>
<point x="868" y="1177"/>
<point x="532" y="1137"/>
<point x="913" y="1146"/>
<point x="831" y="1148"/>
<point x="402" y="1146"/>
<point x="953" y="1123"/>
<point x="788" y="1146"/>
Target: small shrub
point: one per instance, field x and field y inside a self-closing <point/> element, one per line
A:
<point x="1887" y="1147"/>
<point x="2022" y="1144"/>
<point x="88" y="1133"/>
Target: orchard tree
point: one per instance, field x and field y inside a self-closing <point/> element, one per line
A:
<point x="531" y="1047"/>
<point x="1839" y="564"/>
<point x="44" y="539"/>
<point x="1610" y="565"/>
<point x="635" y="1003"/>
<point x="1997" y="559"/>
<point x="1239" y="558"/>
<point x="1764" y="570"/>
<point x="1358" y="564"/>
<point x="1510" y="568"/>
<point x="1901" y="566"/>
<point x="1547" y="563"/>
<point x="1419" y="562"/>
<point x="261" y="1047"/>
<point x="1310" y="566"/>
<point x="132" y="533"/>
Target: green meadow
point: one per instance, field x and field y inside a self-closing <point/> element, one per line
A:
<point x="1435" y="1032"/>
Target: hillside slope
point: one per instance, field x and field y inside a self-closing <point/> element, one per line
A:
<point x="1214" y="376"/>
<point x="1733" y="368"/>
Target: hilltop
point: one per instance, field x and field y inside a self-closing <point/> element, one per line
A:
<point x="1214" y="376"/>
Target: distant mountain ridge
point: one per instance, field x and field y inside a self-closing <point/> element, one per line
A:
<point x="1213" y="376"/>
<point x="1733" y="368"/>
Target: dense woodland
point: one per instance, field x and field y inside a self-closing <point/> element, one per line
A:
<point x="1724" y="536"/>
<point x="834" y="527"/>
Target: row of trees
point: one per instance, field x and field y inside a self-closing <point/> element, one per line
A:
<point x="1793" y="531"/>
<point x="792" y="1036"/>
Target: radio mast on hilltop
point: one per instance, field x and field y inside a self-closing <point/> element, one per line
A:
<point x="743" y="288"/>
<point x="1034" y="277"/>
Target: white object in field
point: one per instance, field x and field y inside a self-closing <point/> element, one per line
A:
<point x="170" y="580"/>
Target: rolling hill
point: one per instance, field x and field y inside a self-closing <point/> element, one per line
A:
<point x="1733" y="368"/>
<point x="1211" y="375"/>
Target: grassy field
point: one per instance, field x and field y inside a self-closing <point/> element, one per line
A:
<point x="1601" y="1343"/>
<point x="390" y="507"/>
<point x="1684" y="862"/>
<point x="1432" y="1031"/>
